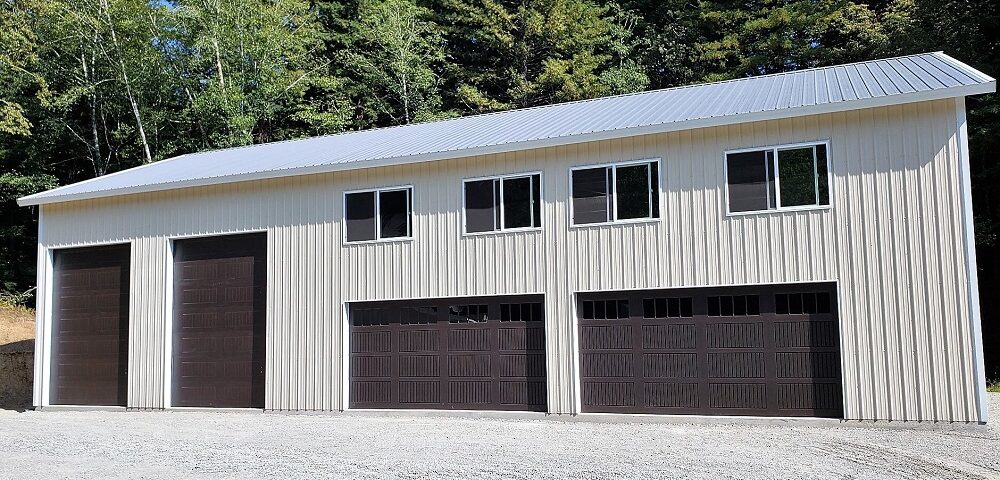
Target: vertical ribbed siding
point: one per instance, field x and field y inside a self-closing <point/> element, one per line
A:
<point x="148" y="323"/>
<point x="892" y="240"/>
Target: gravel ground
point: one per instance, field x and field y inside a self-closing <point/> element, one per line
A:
<point x="250" y="445"/>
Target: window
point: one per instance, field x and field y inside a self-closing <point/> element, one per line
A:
<point x="521" y="312"/>
<point x="611" y="193"/>
<point x="670" y="307"/>
<point x="733" y="305"/>
<point x="468" y="313"/>
<point x="503" y="203"/>
<point x="378" y="214"/>
<point x="605" y="309"/>
<point x="801" y="303"/>
<point x="778" y="178"/>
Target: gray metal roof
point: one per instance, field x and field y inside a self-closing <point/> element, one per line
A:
<point x="890" y="81"/>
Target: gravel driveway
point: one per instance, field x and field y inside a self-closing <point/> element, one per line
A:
<point x="250" y="445"/>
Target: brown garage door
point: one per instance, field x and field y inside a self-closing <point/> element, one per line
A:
<point x="464" y="354"/>
<point x="766" y="350"/>
<point x="90" y="326"/>
<point x="219" y="300"/>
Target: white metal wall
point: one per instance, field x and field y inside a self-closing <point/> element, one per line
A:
<point x="893" y="240"/>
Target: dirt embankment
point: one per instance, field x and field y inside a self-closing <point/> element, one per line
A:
<point x="17" y="343"/>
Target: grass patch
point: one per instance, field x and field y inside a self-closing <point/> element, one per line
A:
<point x="993" y="387"/>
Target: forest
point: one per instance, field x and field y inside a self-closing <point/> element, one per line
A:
<point x="90" y="87"/>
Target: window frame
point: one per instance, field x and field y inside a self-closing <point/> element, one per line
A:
<point x="614" y="198"/>
<point x="378" y="214"/>
<point x="774" y="149"/>
<point x="501" y="178"/>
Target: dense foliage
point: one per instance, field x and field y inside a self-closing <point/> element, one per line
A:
<point x="94" y="86"/>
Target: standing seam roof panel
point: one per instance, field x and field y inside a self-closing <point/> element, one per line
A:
<point x="560" y="123"/>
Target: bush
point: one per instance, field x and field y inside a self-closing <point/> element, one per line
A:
<point x="15" y="299"/>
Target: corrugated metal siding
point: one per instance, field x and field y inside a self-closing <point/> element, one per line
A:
<point x="903" y="79"/>
<point x="892" y="240"/>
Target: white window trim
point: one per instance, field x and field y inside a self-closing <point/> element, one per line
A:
<point x="378" y="214"/>
<point x="777" y="179"/>
<point x="614" y="198"/>
<point x="499" y="229"/>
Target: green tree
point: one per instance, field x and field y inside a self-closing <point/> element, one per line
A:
<point x="768" y="36"/>
<point x="247" y="69"/>
<point x="398" y="54"/>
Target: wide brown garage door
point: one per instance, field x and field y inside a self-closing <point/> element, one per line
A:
<point x="466" y="354"/>
<point x="219" y="300"/>
<point x="765" y="350"/>
<point x="90" y="326"/>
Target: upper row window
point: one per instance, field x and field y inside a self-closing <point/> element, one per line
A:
<point x="378" y="214"/>
<point x="503" y="203"/>
<point x="625" y="191"/>
<point x="778" y="178"/>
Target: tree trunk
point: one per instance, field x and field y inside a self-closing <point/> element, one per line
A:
<point x="128" y="84"/>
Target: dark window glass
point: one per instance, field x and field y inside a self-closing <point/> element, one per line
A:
<point x="611" y="310"/>
<point x="360" y="216"/>
<point x="822" y="175"/>
<point x="394" y="213"/>
<point x="633" y="191"/>
<point x="781" y="304"/>
<point x="418" y="315"/>
<point x="537" y="315"/>
<point x="687" y="305"/>
<point x="517" y="210"/>
<point x="588" y="309"/>
<point x="823" y="302"/>
<point x="599" y="310"/>
<point x="590" y="195"/>
<point x="753" y="304"/>
<point x="536" y="203"/>
<point x="713" y="306"/>
<point x="795" y="304"/>
<point x="623" y="309"/>
<point x="797" y="175"/>
<point x="673" y="307"/>
<point x="648" y="308"/>
<point x="809" y="303"/>
<point x="747" y="175"/>
<point x="467" y="314"/>
<point x="480" y="206"/>
<point x="661" y="308"/>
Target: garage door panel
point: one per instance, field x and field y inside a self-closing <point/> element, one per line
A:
<point x="671" y="395"/>
<point x="712" y="351"/>
<point x="90" y="326"/>
<point x="486" y="353"/>
<point x="609" y="394"/>
<point x="670" y="365"/>
<point x="219" y="325"/>
<point x="419" y="366"/>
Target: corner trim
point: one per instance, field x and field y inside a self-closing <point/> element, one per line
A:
<point x="971" y="269"/>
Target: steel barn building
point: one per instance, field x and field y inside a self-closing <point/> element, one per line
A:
<point x="797" y="244"/>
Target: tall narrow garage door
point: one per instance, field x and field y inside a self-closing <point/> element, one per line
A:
<point x="219" y="301"/>
<point x="465" y="354"/>
<point x="90" y="296"/>
<point x="763" y="350"/>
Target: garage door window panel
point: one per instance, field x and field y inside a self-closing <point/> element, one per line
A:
<point x="778" y="178"/>
<point x="615" y="193"/>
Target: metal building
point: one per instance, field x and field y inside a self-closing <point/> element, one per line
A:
<point x="797" y="244"/>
